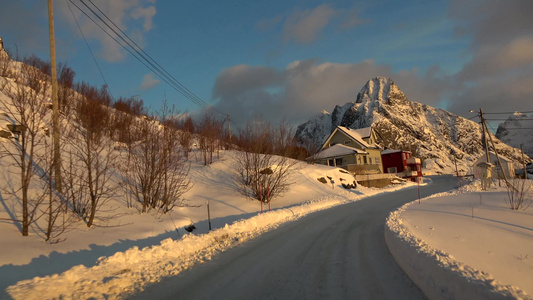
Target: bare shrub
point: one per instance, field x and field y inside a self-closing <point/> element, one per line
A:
<point x="259" y="174"/>
<point x="89" y="156"/>
<point x="65" y="93"/>
<point x="209" y="133"/>
<point x="26" y="111"/>
<point x="519" y="193"/>
<point x="186" y="135"/>
<point x="158" y="174"/>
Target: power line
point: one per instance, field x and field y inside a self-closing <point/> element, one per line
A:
<point x="518" y="128"/>
<point x="137" y="47"/>
<point x="142" y="56"/>
<point x="507" y="113"/>
<point x="156" y="71"/>
<point x="90" y="51"/>
<point x="508" y="119"/>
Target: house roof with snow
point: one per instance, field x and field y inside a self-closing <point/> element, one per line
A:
<point x="389" y="151"/>
<point x="338" y="150"/>
<point x="357" y="135"/>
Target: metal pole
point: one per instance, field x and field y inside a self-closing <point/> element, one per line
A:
<point x="208" y="214"/>
<point x="457" y="172"/>
<point x="484" y="135"/>
<point x="55" y="101"/>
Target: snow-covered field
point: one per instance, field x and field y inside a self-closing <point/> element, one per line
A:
<point x="465" y="245"/>
<point x="123" y="254"/>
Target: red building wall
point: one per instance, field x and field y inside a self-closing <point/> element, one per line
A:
<point x="395" y="159"/>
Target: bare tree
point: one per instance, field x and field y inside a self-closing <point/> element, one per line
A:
<point x="26" y="111"/>
<point x="126" y="120"/>
<point x="58" y="214"/>
<point x="519" y="193"/>
<point x="158" y="175"/>
<point x="209" y="131"/>
<point x="65" y="92"/>
<point x="90" y="155"/>
<point x="174" y="168"/>
<point x="259" y="174"/>
<point x="186" y="135"/>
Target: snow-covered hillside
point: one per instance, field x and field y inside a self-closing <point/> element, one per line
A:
<point x="517" y="130"/>
<point x="435" y="135"/>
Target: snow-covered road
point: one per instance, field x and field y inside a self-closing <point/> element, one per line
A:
<point x="336" y="253"/>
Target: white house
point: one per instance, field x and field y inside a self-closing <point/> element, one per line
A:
<point x="507" y="166"/>
<point x="355" y="150"/>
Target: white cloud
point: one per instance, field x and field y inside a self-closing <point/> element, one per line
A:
<point x="149" y="81"/>
<point x="305" y="26"/>
<point x="305" y="88"/>
<point x="351" y="19"/>
<point x="126" y="14"/>
<point x="500" y="75"/>
<point x="146" y="13"/>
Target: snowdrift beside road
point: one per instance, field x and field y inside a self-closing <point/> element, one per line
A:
<point x="453" y="247"/>
<point x="130" y="271"/>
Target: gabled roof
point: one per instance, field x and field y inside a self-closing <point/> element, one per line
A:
<point x="493" y="155"/>
<point x="338" y="150"/>
<point x="389" y="151"/>
<point x="355" y="134"/>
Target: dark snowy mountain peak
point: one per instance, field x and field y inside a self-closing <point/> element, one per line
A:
<point x="338" y="113"/>
<point x="381" y="89"/>
<point x="516" y="131"/>
<point x="437" y="136"/>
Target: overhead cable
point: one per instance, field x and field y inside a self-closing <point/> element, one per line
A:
<point x="138" y="53"/>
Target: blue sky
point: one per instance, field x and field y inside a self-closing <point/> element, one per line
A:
<point x="292" y="59"/>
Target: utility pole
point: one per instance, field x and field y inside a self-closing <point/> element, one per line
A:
<point x="55" y="102"/>
<point x="486" y="143"/>
<point x="486" y="131"/>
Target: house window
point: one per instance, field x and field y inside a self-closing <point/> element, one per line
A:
<point x="391" y="170"/>
<point x="370" y="160"/>
<point x="331" y="162"/>
<point x="418" y="168"/>
<point x="364" y="160"/>
<point x="378" y="160"/>
<point x="338" y="161"/>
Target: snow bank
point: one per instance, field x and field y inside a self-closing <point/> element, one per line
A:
<point x="129" y="272"/>
<point x="436" y="272"/>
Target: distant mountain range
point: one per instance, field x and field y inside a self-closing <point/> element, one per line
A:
<point x="517" y="130"/>
<point x="437" y="136"/>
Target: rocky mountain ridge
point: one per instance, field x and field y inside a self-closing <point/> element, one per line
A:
<point x="517" y="130"/>
<point x="437" y="136"/>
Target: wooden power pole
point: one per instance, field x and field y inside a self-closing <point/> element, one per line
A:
<point x="485" y="141"/>
<point x="55" y="102"/>
<point x="487" y="134"/>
